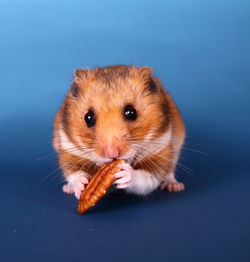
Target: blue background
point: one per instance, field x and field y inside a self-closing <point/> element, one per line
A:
<point x="200" y="50"/>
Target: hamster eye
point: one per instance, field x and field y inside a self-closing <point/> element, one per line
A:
<point x="90" y="118"/>
<point x="130" y="113"/>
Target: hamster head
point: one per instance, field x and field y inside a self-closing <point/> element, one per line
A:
<point x="115" y="112"/>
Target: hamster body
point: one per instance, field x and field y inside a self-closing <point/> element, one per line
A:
<point x="119" y="112"/>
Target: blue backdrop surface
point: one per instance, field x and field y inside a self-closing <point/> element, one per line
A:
<point x="200" y="50"/>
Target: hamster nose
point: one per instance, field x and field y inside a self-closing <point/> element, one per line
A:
<point x="111" y="152"/>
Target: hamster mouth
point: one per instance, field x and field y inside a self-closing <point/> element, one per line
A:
<point x="126" y="159"/>
<point x="106" y="160"/>
<point x="111" y="159"/>
<point x="129" y="157"/>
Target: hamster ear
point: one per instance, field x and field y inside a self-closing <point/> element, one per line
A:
<point x="146" y="72"/>
<point x="81" y="74"/>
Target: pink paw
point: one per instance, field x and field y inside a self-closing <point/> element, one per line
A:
<point x="68" y="189"/>
<point x="77" y="186"/>
<point x="173" y="187"/>
<point x="124" y="177"/>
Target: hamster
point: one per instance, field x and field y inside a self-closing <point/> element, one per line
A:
<point x="119" y="112"/>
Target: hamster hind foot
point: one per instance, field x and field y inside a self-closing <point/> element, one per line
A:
<point x="172" y="185"/>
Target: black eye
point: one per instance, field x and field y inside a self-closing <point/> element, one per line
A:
<point x="130" y="113"/>
<point x="90" y="118"/>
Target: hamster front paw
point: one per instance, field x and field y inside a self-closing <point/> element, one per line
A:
<point x="76" y="184"/>
<point x="124" y="177"/>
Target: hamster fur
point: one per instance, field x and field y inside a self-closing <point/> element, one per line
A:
<point x="119" y="112"/>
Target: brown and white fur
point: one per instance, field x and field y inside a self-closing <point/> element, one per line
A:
<point x="150" y="144"/>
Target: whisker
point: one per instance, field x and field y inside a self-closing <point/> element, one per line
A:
<point x="182" y="166"/>
<point x="54" y="155"/>
<point x="61" y="167"/>
<point x="195" y="151"/>
<point x="152" y="141"/>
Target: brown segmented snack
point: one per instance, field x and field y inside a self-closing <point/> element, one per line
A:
<point x="98" y="185"/>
